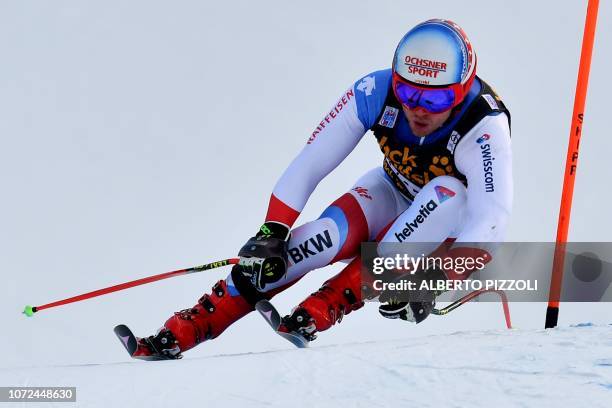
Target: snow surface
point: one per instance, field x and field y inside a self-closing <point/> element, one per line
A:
<point x="564" y="367"/>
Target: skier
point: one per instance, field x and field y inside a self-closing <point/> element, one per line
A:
<point x="446" y="173"/>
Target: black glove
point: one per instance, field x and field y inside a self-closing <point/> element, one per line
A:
<point x="263" y="259"/>
<point x="411" y="305"/>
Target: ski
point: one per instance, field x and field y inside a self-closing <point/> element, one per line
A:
<point x="271" y="315"/>
<point x="130" y="343"/>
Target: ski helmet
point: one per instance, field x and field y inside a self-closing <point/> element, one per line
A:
<point x="435" y="54"/>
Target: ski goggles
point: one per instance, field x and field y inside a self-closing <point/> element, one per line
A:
<point x="434" y="100"/>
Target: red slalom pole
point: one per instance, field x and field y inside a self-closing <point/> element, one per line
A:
<point x="571" y="164"/>
<point x="30" y="310"/>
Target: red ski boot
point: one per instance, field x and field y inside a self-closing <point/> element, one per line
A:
<point x="337" y="297"/>
<point x="212" y="314"/>
<point x="187" y="328"/>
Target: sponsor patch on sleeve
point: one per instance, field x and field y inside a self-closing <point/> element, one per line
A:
<point x="389" y="117"/>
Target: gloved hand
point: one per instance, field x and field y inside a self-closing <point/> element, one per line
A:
<point x="411" y="305"/>
<point x="263" y="259"/>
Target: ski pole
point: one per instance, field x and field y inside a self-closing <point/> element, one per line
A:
<point x="30" y="310"/>
<point x="472" y="295"/>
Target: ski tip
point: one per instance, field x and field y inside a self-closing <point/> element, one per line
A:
<point x="121" y="329"/>
<point x="127" y="338"/>
<point x="269" y="312"/>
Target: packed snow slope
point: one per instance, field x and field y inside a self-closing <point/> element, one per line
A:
<point x="564" y="367"/>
